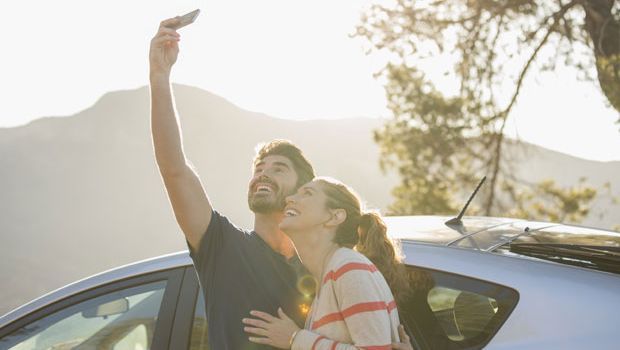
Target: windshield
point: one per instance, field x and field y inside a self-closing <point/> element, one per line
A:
<point x="570" y="245"/>
<point x="595" y="257"/>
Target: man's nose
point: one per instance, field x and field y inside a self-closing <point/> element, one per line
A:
<point x="262" y="176"/>
<point x="266" y="171"/>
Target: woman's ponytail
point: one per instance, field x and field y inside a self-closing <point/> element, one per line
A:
<point x="373" y="238"/>
<point x="379" y="248"/>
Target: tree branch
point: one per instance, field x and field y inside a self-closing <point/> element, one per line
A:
<point x="542" y="43"/>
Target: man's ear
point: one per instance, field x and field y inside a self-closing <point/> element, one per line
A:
<point x="338" y="217"/>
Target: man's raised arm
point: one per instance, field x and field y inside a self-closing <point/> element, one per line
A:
<point x="189" y="201"/>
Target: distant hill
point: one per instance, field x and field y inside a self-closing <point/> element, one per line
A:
<point x="82" y="194"/>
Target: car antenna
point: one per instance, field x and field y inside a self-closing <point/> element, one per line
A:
<point x="457" y="220"/>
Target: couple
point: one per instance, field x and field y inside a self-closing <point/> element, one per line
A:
<point x="354" y="304"/>
<point x="253" y="281"/>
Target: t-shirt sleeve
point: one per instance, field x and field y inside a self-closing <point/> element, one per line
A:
<point x="218" y="233"/>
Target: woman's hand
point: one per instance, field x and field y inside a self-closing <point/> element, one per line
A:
<point x="404" y="338"/>
<point x="273" y="331"/>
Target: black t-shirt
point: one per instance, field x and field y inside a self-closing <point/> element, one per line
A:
<point x="239" y="272"/>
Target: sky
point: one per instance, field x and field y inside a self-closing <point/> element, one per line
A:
<point x="286" y="58"/>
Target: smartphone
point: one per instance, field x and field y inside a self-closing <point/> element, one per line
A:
<point x="186" y="19"/>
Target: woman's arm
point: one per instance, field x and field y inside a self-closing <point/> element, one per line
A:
<point x="281" y="332"/>
<point x="361" y="298"/>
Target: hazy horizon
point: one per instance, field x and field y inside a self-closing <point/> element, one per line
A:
<point x="290" y="60"/>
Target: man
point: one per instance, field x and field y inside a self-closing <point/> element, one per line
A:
<point x="239" y="270"/>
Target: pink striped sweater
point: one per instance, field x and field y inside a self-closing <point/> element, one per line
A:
<point x="354" y="308"/>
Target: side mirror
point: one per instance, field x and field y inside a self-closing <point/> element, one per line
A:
<point x="114" y="307"/>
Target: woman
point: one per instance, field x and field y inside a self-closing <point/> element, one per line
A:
<point x="354" y="305"/>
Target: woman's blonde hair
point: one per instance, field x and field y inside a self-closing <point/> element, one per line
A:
<point x="367" y="233"/>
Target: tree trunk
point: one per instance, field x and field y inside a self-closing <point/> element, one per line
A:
<point x="604" y="30"/>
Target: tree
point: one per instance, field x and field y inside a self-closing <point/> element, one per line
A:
<point x="441" y="145"/>
<point x="547" y="201"/>
<point x="439" y="149"/>
<point x="492" y="37"/>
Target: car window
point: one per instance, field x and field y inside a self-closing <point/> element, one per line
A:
<point x="123" y="319"/>
<point x="462" y="314"/>
<point x="199" y="335"/>
<point x="449" y="311"/>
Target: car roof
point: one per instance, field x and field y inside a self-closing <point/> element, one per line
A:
<point x="584" y="247"/>
<point x="488" y="233"/>
<point x="434" y="230"/>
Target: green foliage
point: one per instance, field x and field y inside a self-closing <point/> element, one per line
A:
<point x="548" y="202"/>
<point x="442" y="145"/>
<point x="438" y="145"/>
<point x="608" y="69"/>
<point x="438" y="148"/>
<point x="423" y="142"/>
<point x="496" y="43"/>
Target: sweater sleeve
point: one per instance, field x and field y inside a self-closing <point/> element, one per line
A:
<point x="363" y="308"/>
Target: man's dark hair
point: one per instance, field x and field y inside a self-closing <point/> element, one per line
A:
<point x="285" y="148"/>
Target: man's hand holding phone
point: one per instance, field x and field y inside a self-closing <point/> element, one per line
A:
<point x="164" y="48"/>
<point x="186" y="19"/>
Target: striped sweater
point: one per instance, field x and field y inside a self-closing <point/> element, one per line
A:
<point x="354" y="308"/>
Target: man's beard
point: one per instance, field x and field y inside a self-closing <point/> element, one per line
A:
<point x="265" y="204"/>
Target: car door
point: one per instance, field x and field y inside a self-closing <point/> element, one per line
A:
<point x="446" y="311"/>
<point x="190" y="325"/>
<point x="133" y="313"/>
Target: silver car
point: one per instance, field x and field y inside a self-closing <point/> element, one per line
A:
<point x="484" y="282"/>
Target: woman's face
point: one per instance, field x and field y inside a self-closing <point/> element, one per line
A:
<point x="306" y="209"/>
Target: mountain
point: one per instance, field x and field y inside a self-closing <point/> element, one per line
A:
<point x="82" y="194"/>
